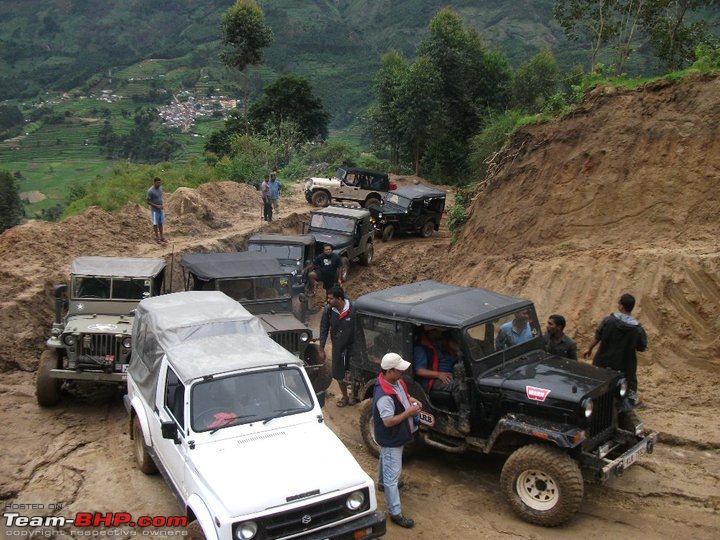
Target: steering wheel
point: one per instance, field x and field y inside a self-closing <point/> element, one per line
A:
<point x="207" y="417"/>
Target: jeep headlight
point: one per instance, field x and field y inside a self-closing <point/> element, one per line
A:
<point x="69" y="339"/>
<point x="246" y="530"/>
<point x="127" y="342"/>
<point x="622" y="386"/>
<point x="587" y="407"/>
<point x="355" y="500"/>
<point x="304" y="337"/>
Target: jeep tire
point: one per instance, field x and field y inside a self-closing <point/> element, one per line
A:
<point x="388" y="233"/>
<point x="47" y="388"/>
<point x="542" y="484"/>
<point x="344" y="267"/>
<point x="372" y="202"/>
<point x="427" y="230"/>
<point x="144" y="462"/>
<point x="320" y="373"/>
<point x="366" y="258"/>
<point x="320" y="198"/>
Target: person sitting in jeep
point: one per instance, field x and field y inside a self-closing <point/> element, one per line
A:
<point x="514" y="332"/>
<point x="326" y="268"/>
<point x="434" y="360"/>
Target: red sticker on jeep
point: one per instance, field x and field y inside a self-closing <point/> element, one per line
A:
<point x="536" y="394"/>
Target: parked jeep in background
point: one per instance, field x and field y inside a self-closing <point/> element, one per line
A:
<point x="230" y="419"/>
<point x="553" y="416"/>
<point x="349" y="231"/>
<point x="262" y="286"/>
<point x="90" y="339"/>
<point x="409" y="209"/>
<point x="294" y="252"/>
<point x="362" y="186"/>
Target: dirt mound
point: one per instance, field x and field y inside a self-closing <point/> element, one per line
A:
<point x="621" y="195"/>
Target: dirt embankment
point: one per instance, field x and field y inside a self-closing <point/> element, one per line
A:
<point x="621" y="195"/>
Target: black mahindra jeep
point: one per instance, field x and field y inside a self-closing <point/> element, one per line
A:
<point x="294" y="252"/>
<point x="551" y="415"/>
<point x="409" y="209"/>
<point x="348" y="230"/>
<point x="263" y="287"/>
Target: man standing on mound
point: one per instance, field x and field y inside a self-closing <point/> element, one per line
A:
<point x="154" y="198"/>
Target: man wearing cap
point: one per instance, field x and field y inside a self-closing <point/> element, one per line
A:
<point x="394" y="411"/>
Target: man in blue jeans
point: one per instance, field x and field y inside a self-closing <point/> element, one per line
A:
<point x="394" y="411"/>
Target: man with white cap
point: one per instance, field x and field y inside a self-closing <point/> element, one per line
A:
<point x="394" y="411"/>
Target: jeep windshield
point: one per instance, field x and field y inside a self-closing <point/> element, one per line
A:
<point x="398" y="200"/>
<point x="332" y="223"/>
<point x="507" y="332"/>
<point x="265" y="288"/>
<point x="111" y="288"/>
<point x="248" y="397"/>
<point x="283" y="253"/>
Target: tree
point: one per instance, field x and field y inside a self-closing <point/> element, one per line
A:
<point x="535" y="81"/>
<point x="244" y="35"/>
<point x="587" y="19"/>
<point x="290" y="99"/>
<point x="11" y="208"/>
<point x="384" y="117"/>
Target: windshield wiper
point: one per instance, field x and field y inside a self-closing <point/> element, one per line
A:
<point x="281" y="412"/>
<point x="231" y="422"/>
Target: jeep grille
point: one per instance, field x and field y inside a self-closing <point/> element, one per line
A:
<point x="602" y="417"/>
<point x="93" y="349"/>
<point x="309" y="517"/>
<point x="288" y="340"/>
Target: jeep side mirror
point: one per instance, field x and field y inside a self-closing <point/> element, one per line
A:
<point x="321" y="398"/>
<point x="169" y="431"/>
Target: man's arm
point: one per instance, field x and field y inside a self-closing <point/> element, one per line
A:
<point x="403" y="416"/>
<point x="324" y="327"/>
<point x="572" y="351"/>
<point x="642" y="340"/>
<point x="587" y="353"/>
<point x="421" y="363"/>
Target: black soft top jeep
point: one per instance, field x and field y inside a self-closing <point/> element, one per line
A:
<point x="263" y="287"/>
<point x="553" y="415"/>
<point x="409" y="209"/>
<point x="348" y="230"/>
<point x="292" y="251"/>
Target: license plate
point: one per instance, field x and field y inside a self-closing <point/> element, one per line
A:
<point x="632" y="458"/>
<point x="426" y="418"/>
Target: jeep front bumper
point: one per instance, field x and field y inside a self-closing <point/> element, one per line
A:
<point x="370" y="526"/>
<point x="95" y="376"/>
<point x="614" y="463"/>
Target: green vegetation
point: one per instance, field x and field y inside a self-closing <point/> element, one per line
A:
<point x="11" y="209"/>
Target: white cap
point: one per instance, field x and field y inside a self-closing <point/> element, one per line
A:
<point x="394" y="361"/>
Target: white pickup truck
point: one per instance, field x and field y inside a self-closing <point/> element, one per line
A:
<point x="230" y="419"/>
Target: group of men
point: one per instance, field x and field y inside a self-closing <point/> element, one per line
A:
<point x="270" y="191"/>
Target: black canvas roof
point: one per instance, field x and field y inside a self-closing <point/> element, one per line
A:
<point x="418" y="190"/>
<point x="237" y="264"/>
<point x="271" y="238"/>
<point x="431" y="302"/>
<point x="363" y="171"/>
<point x="357" y="213"/>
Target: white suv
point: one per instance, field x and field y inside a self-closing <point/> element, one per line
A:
<point x="230" y="418"/>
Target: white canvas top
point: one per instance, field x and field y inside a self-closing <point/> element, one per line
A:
<point x="117" y="266"/>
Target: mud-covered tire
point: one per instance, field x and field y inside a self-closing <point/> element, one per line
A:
<point x="366" y="258"/>
<point x="367" y="430"/>
<point x="388" y="233"/>
<point x="542" y="484"/>
<point x="320" y="198"/>
<point x="142" y="457"/>
<point x="372" y="202"/>
<point x="47" y="389"/>
<point x="344" y="268"/>
<point x="322" y="376"/>
<point x="427" y="230"/>
<point x="194" y="531"/>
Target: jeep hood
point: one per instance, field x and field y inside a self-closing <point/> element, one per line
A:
<point x="280" y="322"/>
<point x="337" y="241"/>
<point x="99" y="324"/>
<point x="325" y="182"/>
<point x="263" y="469"/>
<point x="553" y="377"/>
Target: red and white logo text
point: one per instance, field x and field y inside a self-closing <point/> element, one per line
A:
<point x="536" y="394"/>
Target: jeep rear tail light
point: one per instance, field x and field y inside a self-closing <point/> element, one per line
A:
<point x="393" y="186"/>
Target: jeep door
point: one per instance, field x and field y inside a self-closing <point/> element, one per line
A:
<point x="171" y="401"/>
<point x="350" y="186"/>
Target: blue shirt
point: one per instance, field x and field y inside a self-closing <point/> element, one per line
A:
<point x="274" y="188"/>
<point x="423" y="358"/>
<point x="509" y="336"/>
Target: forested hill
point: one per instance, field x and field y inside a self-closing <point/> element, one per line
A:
<point x="64" y="44"/>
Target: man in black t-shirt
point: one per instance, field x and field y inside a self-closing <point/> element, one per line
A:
<point x="326" y="268"/>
